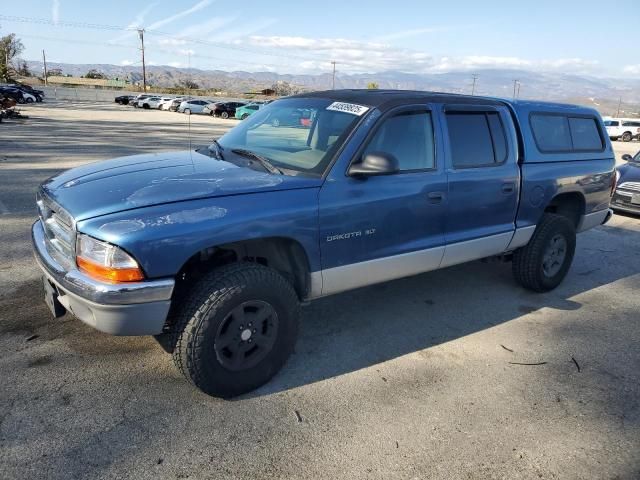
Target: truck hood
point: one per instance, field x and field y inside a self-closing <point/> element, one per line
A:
<point x="137" y="181"/>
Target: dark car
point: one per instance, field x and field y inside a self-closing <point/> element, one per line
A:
<point x="39" y="94"/>
<point x="223" y="109"/>
<point x="12" y="92"/>
<point x="124" y="99"/>
<point x="627" y="195"/>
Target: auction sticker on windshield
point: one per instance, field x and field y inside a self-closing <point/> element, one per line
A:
<point x="348" y="108"/>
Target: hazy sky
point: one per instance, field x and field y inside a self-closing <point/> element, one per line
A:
<point x="303" y="37"/>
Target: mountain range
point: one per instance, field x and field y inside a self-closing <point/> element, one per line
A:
<point x="604" y="93"/>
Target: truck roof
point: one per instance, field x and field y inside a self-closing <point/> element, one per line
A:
<point x="387" y="98"/>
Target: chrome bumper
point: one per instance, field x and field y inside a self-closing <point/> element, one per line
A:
<point x="137" y="308"/>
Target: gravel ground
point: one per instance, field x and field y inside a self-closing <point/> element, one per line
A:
<point x="417" y="378"/>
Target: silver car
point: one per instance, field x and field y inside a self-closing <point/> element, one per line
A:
<point x="193" y="106"/>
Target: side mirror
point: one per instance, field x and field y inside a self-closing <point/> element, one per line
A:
<point x="626" y="157"/>
<point x="375" y="163"/>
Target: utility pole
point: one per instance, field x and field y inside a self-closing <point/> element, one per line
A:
<point x="44" y="63"/>
<point x="518" y="92"/>
<point x="333" y="82"/>
<point x="516" y="84"/>
<point x="144" y="69"/>
<point x="473" y="86"/>
<point x="619" y="103"/>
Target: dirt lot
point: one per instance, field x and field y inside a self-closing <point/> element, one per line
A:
<point x="411" y="379"/>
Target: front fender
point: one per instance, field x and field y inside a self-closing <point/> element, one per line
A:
<point x="162" y="238"/>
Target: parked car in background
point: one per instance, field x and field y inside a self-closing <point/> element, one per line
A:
<point x="124" y="99"/>
<point x="625" y="129"/>
<point x="13" y="93"/>
<point x="30" y="94"/>
<point x="246" y="110"/>
<point x="223" y="109"/>
<point x="175" y="104"/>
<point x="149" y="102"/>
<point x="193" y="106"/>
<point x="165" y="103"/>
<point x="137" y="99"/>
<point x="627" y="195"/>
<point x="214" y="250"/>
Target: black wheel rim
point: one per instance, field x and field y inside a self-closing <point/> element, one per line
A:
<point x="554" y="255"/>
<point x="246" y="335"/>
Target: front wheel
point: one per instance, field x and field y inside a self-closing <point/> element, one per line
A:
<point x="236" y="329"/>
<point x="543" y="263"/>
<point x="224" y="115"/>
<point x="187" y="111"/>
<point x="626" y="136"/>
<point x="244" y="115"/>
<point x="29" y="100"/>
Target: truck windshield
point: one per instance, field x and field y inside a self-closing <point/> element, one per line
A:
<point x="297" y="135"/>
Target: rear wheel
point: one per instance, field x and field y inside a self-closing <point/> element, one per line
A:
<point x="544" y="262"/>
<point x="224" y="115"/>
<point x="187" y="111"/>
<point x="29" y="100"/>
<point x="236" y="329"/>
<point x="626" y="136"/>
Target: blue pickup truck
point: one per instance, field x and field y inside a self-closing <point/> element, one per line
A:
<point x="213" y="251"/>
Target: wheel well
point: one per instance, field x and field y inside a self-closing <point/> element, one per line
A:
<point x="285" y="255"/>
<point x="570" y="205"/>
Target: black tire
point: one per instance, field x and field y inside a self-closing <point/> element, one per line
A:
<point x="244" y="115"/>
<point x="187" y="111"/>
<point x="224" y="115"/>
<point x="146" y="106"/>
<point x="29" y="100"/>
<point x="207" y="314"/>
<point x="530" y="266"/>
<point x="626" y="137"/>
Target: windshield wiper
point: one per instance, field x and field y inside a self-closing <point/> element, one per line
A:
<point x="216" y="150"/>
<point x="265" y="162"/>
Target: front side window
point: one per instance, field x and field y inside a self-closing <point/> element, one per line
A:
<point x="302" y="146"/>
<point x="611" y="123"/>
<point x="476" y="139"/>
<point x="408" y="136"/>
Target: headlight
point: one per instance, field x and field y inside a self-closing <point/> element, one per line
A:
<point x="106" y="262"/>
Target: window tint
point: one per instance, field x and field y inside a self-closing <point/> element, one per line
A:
<point x="551" y="133"/>
<point x="584" y="133"/>
<point x="476" y="138"/>
<point x="631" y="124"/>
<point x="611" y="123"/>
<point x="409" y="137"/>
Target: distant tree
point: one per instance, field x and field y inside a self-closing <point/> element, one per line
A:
<point x="372" y="86"/>
<point x="95" y="74"/>
<point x="54" y="72"/>
<point x="10" y="47"/>
<point x="190" y="84"/>
<point x="23" y="70"/>
<point x="283" y="88"/>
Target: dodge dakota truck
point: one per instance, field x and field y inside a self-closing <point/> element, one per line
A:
<point x="213" y="251"/>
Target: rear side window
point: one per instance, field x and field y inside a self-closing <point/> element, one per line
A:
<point x="584" y="133"/>
<point x="561" y="133"/>
<point x="476" y="138"/>
<point x="551" y="133"/>
<point x="611" y="123"/>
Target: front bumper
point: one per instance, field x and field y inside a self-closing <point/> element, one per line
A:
<point x="622" y="201"/>
<point x="139" y="308"/>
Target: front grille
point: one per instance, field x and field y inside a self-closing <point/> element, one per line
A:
<point x="629" y="186"/>
<point x="58" y="228"/>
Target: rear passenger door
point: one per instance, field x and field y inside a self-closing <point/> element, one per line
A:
<point x="484" y="181"/>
